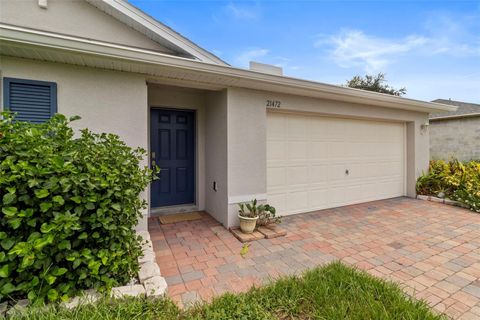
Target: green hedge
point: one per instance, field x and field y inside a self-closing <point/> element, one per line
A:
<point x="454" y="180"/>
<point x="68" y="209"/>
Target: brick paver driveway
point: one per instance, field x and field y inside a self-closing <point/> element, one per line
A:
<point x="432" y="249"/>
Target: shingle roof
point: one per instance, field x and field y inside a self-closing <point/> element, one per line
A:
<point x="465" y="109"/>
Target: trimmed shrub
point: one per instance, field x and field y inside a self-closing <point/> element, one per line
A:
<point x="454" y="180"/>
<point x="69" y="206"/>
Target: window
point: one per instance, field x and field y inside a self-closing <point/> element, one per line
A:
<point x="33" y="101"/>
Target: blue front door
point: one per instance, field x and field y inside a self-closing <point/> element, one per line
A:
<point x="173" y="150"/>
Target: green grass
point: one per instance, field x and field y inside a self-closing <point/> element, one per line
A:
<point x="331" y="292"/>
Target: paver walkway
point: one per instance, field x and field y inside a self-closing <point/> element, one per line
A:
<point x="432" y="249"/>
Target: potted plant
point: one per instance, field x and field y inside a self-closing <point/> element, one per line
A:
<point x="267" y="216"/>
<point x="248" y="215"/>
<point x="251" y="215"/>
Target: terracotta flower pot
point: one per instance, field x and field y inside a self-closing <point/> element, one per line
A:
<point x="247" y="225"/>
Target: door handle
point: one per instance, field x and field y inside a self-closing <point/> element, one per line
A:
<point x="153" y="155"/>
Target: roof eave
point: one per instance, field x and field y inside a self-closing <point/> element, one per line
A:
<point x="241" y="77"/>
<point x="457" y="116"/>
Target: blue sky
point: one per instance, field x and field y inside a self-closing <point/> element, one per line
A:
<point x="430" y="47"/>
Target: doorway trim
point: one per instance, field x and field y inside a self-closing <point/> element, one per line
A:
<point x="168" y="208"/>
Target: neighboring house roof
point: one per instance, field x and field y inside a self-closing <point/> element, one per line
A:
<point x="153" y="29"/>
<point x="464" y="110"/>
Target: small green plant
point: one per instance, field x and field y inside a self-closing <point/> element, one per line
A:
<point x="268" y="216"/>
<point x="69" y="206"/>
<point x="454" y="180"/>
<point x="248" y="210"/>
<point x="266" y="213"/>
<point x="245" y="249"/>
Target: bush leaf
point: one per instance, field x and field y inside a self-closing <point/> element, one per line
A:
<point x="58" y="199"/>
<point x="9" y="211"/>
<point x="5" y="271"/>
<point x="52" y="295"/>
<point x="42" y="193"/>
<point x="64" y="244"/>
<point x="9" y="198"/>
<point x="7" y="243"/>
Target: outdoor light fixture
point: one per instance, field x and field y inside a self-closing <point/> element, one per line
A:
<point x="43" y="4"/>
<point x="424" y="127"/>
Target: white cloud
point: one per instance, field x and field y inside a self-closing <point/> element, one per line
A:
<point x="243" y="12"/>
<point x="285" y="63"/>
<point x="455" y="36"/>
<point x="245" y="57"/>
<point x="353" y="48"/>
<point x="442" y="36"/>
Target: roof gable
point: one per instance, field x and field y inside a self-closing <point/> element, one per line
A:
<point x="79" y="19"/>
<point x="110" y="21"/>
<point x="155" y="30"/>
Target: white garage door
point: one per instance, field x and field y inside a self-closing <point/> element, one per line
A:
<point x="318" y="162"/>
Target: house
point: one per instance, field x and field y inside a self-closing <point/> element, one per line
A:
<point x="455" y="134"/>
<point x="221" y="135"/>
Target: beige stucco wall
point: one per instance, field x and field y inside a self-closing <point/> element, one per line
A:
<point x="247" y="138"/>
<point x="74" y="17"/>
<point x="455" y="138"/>
<point x="231" y="125"/>
<point x="162" y="96"/>
<point x="216" y="156"/>
<point x="107" y="101"/>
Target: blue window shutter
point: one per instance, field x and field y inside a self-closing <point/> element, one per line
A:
<point x="33" y="101"/>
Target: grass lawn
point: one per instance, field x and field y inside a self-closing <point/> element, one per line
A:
<point x="331" y="292"/>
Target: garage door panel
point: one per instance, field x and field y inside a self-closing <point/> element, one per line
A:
<point x="319" y="150"/>
<point x="360" y="170"/>
<point x="337" y="172"/>
<point x="391" y="187"/>
<point x="357" y="149"/>
<point x="297" y="201"/>
<point x="395" y="150"/>
<point x="277" y="151"/>
<point x="337" y="196"/>
<point x="279" y="202"/>
<point x="276" y="127"/>
<point x="370" y="169"/>
<point x="297" y="175"/>
<point x="297" y="150"/>
<point x="336" y="129"/>
<point x="277" y="178"/>
<point x="369" y="192"/>
<point x="307" y="159"/>
<point x="356" y="193"/>
<point x="319" y="130"/>
<point x="296" y="129"/>
<point x="318" y="174"/>
<point x="318" y="198"/>
<point x="389" y="169"/>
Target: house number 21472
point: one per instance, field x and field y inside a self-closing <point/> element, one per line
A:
<point x="273" y="104"/>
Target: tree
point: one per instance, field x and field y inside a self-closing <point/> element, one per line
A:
<point x="375" y="83"/>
